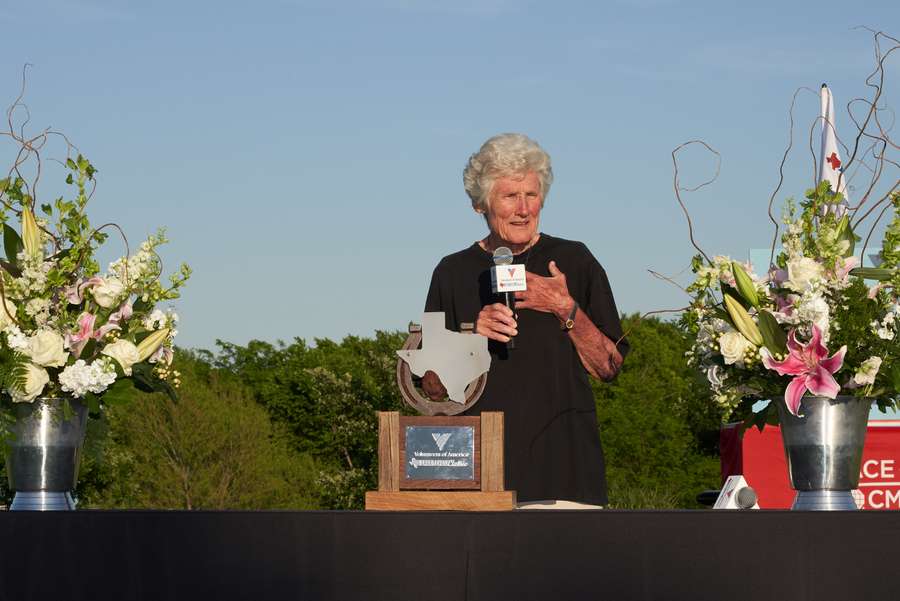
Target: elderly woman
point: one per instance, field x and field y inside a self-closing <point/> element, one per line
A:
<point x="566" y="327"/>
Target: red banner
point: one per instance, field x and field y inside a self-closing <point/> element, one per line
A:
<point x="759" y="456"/>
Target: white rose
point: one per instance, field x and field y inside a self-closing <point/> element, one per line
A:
<point x="35" y="380"/>
<point x="733" y="346"/>
<point x="866" y="373"/>
<point x="5" y="320"/>
<point x="802" y="272"/>
<point x="46" y="348"/>
<point x="108" y="292"/>
<point x="124" y="352"/>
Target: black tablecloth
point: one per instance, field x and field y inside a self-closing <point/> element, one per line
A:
<point x="616" y="555"/>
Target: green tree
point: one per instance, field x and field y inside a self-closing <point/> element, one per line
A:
<point x="658" y="424"/>
<point x="215" y="448"/>
<point x="326" y="397"/>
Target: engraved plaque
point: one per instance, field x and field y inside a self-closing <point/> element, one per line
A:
<point x="440" y="453"/>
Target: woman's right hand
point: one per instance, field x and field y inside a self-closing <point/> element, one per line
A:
<point x="496" y="322"/>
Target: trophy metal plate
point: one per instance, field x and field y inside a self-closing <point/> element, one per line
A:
<point x="440" y="453"/>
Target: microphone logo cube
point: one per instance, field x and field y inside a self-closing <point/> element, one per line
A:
<point x="507" y="278"/>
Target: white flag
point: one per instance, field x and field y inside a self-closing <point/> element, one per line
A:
<point x="830" y="165"/>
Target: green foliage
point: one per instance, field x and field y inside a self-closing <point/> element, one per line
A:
<point x="213" y="449"/>
<point x="326" y="397"/>
<point x="855" y="314"/>
<point x="773" y="335"/>
<point x="12" y="244"/>
<point x="657" y="495"/>
<point x="264" y="426"/>
<point x="147" y="381"/>
<point x="13" y="369"/>
<point x="825" y="237"/>
<point x="658" y="424"/>
<point x="890" y="247"/>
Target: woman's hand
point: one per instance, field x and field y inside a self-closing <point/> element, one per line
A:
<point x="550" y="295"/>
<point x="497" y="322"/>
<point x="597" y="352"/>
<point x="432" y="386"/>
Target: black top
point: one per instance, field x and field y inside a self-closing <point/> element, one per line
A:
<point x="552" y="444"/>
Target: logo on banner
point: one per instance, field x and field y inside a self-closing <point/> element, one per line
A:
<point x="879" y="484"/>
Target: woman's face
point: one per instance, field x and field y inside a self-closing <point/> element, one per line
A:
<point x="514" y="208"/>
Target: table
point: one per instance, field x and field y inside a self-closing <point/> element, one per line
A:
<point x="616" y="555"/>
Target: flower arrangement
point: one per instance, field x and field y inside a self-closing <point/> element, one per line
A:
<point x="67" y="328"/>
<point x="815" y="322"/>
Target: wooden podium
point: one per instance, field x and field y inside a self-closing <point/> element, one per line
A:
<point x="475" y="486"/>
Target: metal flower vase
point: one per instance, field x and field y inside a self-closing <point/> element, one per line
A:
<point x="824" y="447"/>
<point x="44" y="453"/>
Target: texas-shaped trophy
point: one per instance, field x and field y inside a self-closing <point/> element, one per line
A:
<point x="439" y="459"/>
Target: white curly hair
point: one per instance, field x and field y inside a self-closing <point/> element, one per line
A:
<point x="505" y="155"/>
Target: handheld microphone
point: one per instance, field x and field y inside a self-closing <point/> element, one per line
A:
<point x="746" y="498"/>
<point x="736" y="494"/>
<point x="507" y="278"/>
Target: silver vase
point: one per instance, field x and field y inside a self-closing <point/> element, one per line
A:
<point x="44" y="453"/>
<point x="824" y="447"/>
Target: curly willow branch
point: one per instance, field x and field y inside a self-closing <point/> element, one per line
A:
<point x="882" y="200"/>
<point x="876" y="175"/>
<point x="862" y="253"/>
<point x="664" y="278"/>
<point x="879" y="87"/>
<point x="29" y="148"/>
<point x="648" y="314"/>
<point x="124" y="239"/>
<point x="678" y="188"/>
<point x="18" y="100"/>
<point x="784" y="157"/>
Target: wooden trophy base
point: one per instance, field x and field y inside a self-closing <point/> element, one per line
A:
<point x="441" y="500"/>
<point x="484" y="493"/>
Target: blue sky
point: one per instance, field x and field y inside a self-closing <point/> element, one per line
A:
<point x="306" y="156"/>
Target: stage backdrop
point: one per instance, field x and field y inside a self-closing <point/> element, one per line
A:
<point x="759" y="456"/>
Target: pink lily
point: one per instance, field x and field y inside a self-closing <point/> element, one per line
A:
<point x="778" y="276"/>
<point x="844" y="266"/>
<point x="76" y="341"/>
<point x="124" y="313"/>
<point x="75" y="293"/>
<point x="163" y="353"/>
<point x="104" y="330"/>
<point x="811" y="369"/>
<point x="785" y="304"/>
<point x="874" y="290"/>
<point x="114" y="321"/>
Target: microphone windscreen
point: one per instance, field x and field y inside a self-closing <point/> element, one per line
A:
<point x="746" y="498"/>
<point x="502" y="256"/>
